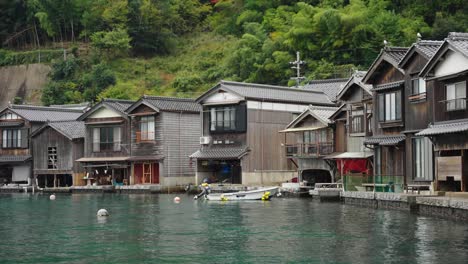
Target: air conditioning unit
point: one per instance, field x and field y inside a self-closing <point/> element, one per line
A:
<point x="205" y="140"/>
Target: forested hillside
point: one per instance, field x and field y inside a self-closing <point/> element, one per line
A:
<point x="125" y="48"/>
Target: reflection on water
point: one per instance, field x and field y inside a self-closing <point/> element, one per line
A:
<point x="152" y="228"/>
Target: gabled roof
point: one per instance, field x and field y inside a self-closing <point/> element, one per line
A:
<point x="455" y="41"/>
<point x="355" y="79"/>
<point x="83" y="106"/>
<point x="160" y="103"/>
<point x="34" y="113"/>
<point x="321" y="113"/>
<point x="392" y="55"/>
<point x="269" y="93"/>
<point x="426" y="48"/>
<point x="331" y="87"/>
<point x="385" y="140"/>
<point x="115" y="104"/>
<point x="337" y="112"/>
<point x="70" y="129"/>
<point x="220" y="153"/>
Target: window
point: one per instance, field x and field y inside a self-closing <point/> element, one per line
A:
<point x="106" y="139"/>
<point x="52" y="157"/>
<point x="315" y="136"/>
<point x="146" y="129"/>
<point x="418" y="86"/>
<point x="456" y="96"/>
<point x="390" y="106"/>
<point x="14" y="138"/>
<point x="223" y="118"/>
<point x="9" y="116"/>
<point x="357" y="119"/>
<point x="422" y="156"/>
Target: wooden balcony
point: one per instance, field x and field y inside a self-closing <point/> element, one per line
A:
<point x="145" y="137"/>
<point x="318" y="149"/>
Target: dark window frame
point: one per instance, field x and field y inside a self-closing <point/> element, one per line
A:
<point x="396" y="105"/>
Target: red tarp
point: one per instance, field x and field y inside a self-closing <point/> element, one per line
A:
<point x="352" y="166"/>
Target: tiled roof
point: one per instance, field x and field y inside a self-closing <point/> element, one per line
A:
<point x="355" y="79"/>
<point x="428" y="47"/>
<point x="391" y="85"/>
<point x="70" y="129"/>
<point x="330" y="87"/>
<point x="396" y="53"/>
<point x="272" y="93"/>
<point x="219" y="153"/>
<point x="392" y="55"/>
<point x="385" y="140"/>
<point x="43" y="113"/>
<point x="82" y="106"/>
<point x="444" y="128"/>
<point x="173" y="104"/>
<point x="323" y="112"/>
<point x="119" y="105"/>
<point x="16" y="158"/>
<point x="459" y="41"/>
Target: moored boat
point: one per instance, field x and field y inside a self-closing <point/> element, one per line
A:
<point x="259" y="194"/>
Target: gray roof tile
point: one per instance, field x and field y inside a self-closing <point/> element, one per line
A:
<point x="396" y="53"/>
<point x="119" y="105"/>
<point x="173" y="104"/>
<point x="219" y="153"/>
<point x="17" y="158"/>
<point x="445" y="128"/>
<point x="385" y="140"/>
<point x="272" y="93"/>
<point x="43" y="113"/>
<point x="387" y="86"/>
<point x="331" y="87"/>
<point x="71" y="129"/>
<point x="459" y="41"/>
<point x="323" y="112"/>
<point x="428" y="47"/>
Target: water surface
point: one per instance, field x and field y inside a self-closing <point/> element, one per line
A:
<point x="153" y="229"/>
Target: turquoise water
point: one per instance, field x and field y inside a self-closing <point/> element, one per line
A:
<point x="153" y="229"/>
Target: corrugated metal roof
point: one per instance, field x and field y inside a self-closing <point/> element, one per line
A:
<point x="219" y="153"/>
<point x="16" y="158"/>
<point x="43" y="113"/>
<point x="330" y="87"/>
<point x="386" y="86"/>
<point x="272" y="93"/>
<point x="71" y="129"/>
<point x="444" y="128"/>
<point x="384" y="140"/>
<point x="173" y="104"/>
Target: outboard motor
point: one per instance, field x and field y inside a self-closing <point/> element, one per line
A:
<point x="205" y="187"/>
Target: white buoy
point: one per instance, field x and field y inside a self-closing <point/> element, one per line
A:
<point x="102" y="212"/>
<point x="177" y="199"/>
<point x="52" y="197"/>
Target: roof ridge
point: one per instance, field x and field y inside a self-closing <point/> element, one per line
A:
<point x="117" y="100"/>
<point x="395" y="48"/>
<point x="63" y="121"/>
<point x="48" y="108"/>
<point x="277" y="87"/>
<point x="328" y="80"/>
<point x="168" y="98"/>
<point x="457" y="36"/>
<point x="429" y="42"/>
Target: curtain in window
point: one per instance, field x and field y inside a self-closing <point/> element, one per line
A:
<point x="96" y="139"/>
<point x="116" y="138"/>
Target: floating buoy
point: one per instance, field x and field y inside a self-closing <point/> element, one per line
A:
<point x="102" y="212"/>
<point x="177" y="199"/>
<point x="52" y="197"/>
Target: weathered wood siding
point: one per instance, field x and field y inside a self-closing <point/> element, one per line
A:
<point x="51" y="138"/>
<point x="125" y="136"/>
<point x="180" y="138"/>
<point x="17" y="151"/>
<point x="340" y="136"/>
<point x="147" y="148"/>
<point x="264" y="140"/>
<point x="439" y="94"/>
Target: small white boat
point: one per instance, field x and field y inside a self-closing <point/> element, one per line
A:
<point x="259" y="194"/>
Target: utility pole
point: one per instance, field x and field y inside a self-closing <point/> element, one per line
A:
<point x="297" y="65"/>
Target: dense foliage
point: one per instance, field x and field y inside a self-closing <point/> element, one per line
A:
<point x="181" y="47"/>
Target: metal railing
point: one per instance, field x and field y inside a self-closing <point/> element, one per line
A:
<point x="454" y="104"/>
<point x="378" y="183"/>
<point x="145" y="136"/>
<point x="309" y="149"/>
